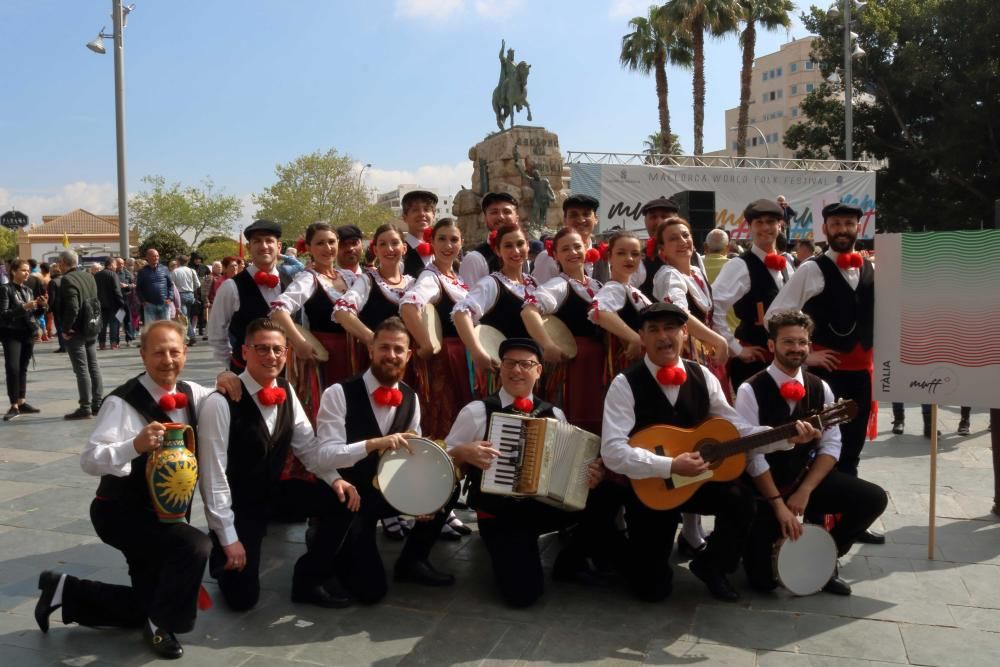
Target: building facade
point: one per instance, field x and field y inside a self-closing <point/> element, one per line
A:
<point x="393" y="200"/>
<point x="93" y="237"/>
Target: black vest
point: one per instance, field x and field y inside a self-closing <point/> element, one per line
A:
<point x="630" y="312"/>
<point x="652" y="407"/>
<point x="652" y="266"/>
<point x="444" y="306"/>
<point x="573" y="313"/>
<point x="492" y="259"/>
<point x="762" y="290"/>
<point x="413" y="263"/>
<point x="505" y="315"/>
<point x="133" y="488"/>
<point x="319" y="310"/>
<point x="843" y="317"/>
<point x="360" y="424"/>
<point x="490" y="502"/>
<point x="378" y="308"/>
<point x="772" y="410"/>
<point x="252" y="307"/>
<point x="255" y="457"/>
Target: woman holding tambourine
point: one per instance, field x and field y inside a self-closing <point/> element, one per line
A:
<point x="574" y="379"/>
<point x="442" y="374"/>
<point x="496" y="302"/>
<point x="617" y="304"/>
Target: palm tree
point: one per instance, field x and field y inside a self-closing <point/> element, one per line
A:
<point x="770" y="15"/>
<point x="652" y="44"/>
<point x="697" y="17"/>
<point x="653" y="145"/>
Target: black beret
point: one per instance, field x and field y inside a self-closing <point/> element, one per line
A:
<point x="419" y="194"/>
<point x="491" y="197"/>
<point x="667" y="203"/>
<point x="663" y="311"/>
<point x="266" y="226"/>
<point x="841" y="208"/>
<point x="581" y="201"/>
<point x="761" y="207"/>
<point x="349" y="233"/>
<point x="520" y="344"/>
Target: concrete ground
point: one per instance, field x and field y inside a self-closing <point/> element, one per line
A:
<point x="905" y="608"/>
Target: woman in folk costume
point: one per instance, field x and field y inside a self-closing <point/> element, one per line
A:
<point x="617" y="304"/>
<point x="496" y="301"/>
<point x="683" y="284"/>
<point x="576" y="383"/>
<point x="314" y="291"/>
<point x="443" y="378"/>
<point x="376" y="294"/>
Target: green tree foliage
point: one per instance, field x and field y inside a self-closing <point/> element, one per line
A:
<point x="653" y="43"/>
<point x="168" y="244"/>
<point x="653" y="145"/>
<point x="214" y="249"/>
<point x="194" y="211"/>
<point x="927" y="107"/>
<point x="319" y="186"/>
<point x="8" y="244"/>
<point x="754" y="14"/>
<point x="716" y="17"/>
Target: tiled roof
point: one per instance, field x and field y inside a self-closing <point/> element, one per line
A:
<point x="77" y="222"/>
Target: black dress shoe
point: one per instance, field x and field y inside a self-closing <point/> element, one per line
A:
<point x="897" y="427"/>
<point x="79" y="413"/>
<point x="718" y="584"/>
<point x="837" y="586"/>
<point x="11" y="414"/>
<point x="871" y="537"/>
<point x="321" y="596"/>
<point x="26" y="409"/>
<point x="48" y="581"/>
<point x="687" y="551"/>
<point x="422" y="572"/>
<point x="163" y="643"/>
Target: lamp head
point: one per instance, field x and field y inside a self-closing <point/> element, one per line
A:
<point x="97" y="46"/>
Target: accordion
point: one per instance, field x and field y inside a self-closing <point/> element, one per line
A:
<point x="544" y="459"/>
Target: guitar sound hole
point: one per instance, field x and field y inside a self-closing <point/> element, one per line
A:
<point x="708" y="450"/>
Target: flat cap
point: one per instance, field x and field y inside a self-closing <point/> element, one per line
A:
<point x="842" y="208"/>
<point x="762" y="207"/>
<point x="581" y="201"/>
<point x="663" y="311"/>
<point x="667" y="203"/>
<point x="520" y="344"/>
<point x="265" y="226"/>
<point x="493" y="197"/>
<point x="349" y="233"/>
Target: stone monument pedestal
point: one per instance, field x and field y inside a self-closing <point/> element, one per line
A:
<point x="494" y="171"/>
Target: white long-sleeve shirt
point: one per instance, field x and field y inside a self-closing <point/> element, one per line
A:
<point x="111" y="446"/>
<point x="619" y="419"/>
<point x="185" y="279"/>
<point x="304" y="285"/>
<point x="806" y="283"/>
<point x="331" y="429"/>
<point x="470" y="424"/>
<point x="732" y="283"/>
<point x="227" y="302"/>
<point x="213" y="453"/>
<point x="746" y="405"/>
<point x="546" y="268"/>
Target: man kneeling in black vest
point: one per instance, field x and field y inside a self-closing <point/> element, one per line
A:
<point x="166" y="560"/>
<point x="802" y="481"/>
<point x="358" y="419"/>
<point x="510" y="527"/>
<point x="243" y="450"/>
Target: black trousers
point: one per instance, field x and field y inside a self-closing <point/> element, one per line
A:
<point x="289" y="499"/>
<point x="359" y="565"/>
<point x="511" y="538"/>
<point x="165" y="561"/>
<point x="857" y="501"/>
<point x="17" y="349"/>
<point x="856" y="385"/>
<point x="651" y="535"/>
<point x="740" y="371"/>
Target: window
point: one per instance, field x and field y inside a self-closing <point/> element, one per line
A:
<point x="809" y="87"/>
<point x="795" y="112"/>
<point x="794" y="90"/>
<point x="772" y="98"/>
<point x="809" y="64"/>
<point x="764" y="76"/>
<point x="794" y="67"/>
<point x="779" y="93"/>
<point x="753" y="141"/>
<point x="779" y="71"/>
<point x="772" y="73"/>
<point x="765" y="97"/>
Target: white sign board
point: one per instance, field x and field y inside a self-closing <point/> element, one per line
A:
<point x="623" y="189"/>
<point x="937" y="318"/>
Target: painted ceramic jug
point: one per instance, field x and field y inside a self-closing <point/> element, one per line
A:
<point x="172" y="474"/>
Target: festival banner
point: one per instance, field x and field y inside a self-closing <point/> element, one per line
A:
<point x="937" y="318"/>
<point x="623" y="189"/>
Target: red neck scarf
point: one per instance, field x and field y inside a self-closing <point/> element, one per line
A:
<point x="775" y="262"/>
<point x="671" y="375"/>
<point x="271" y="395"/>
<point x="792" y="390"/>
<point x="265" y="279"/>
<point x="850" y="260"/>
<point x="387" y="397"/>
<point x="170" y="402"/>
<point x="523" y="404"/>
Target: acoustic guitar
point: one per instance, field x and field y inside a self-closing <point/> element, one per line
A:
<point x="721" y="446"/>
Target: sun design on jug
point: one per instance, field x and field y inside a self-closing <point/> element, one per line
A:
<point x="178" y="481"/>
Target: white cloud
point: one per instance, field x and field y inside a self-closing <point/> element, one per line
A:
<point x="627" y="9"/>
<point x="430" y="9"/>
<point x="447" y="179"/>
<point x="98" y="198"/>
<point x="497" y="9"/>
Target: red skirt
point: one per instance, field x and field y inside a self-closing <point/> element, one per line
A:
<point x="443" y="387"/>
<point x="578" y="386"/>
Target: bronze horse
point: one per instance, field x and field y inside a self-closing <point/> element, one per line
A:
<point x="512" y="95"/>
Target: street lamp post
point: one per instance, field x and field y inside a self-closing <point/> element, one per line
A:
<point x="767" y="149"/>
<point x="118" y="14"/>
<point x="848" y="85"/>
<point x="360" y="176"/>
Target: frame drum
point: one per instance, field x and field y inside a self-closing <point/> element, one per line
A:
<point x="418" y="483"/>
<point x="321" y="352"/>
<point x="432" y="323"/>
<point x="490" y="338"/>
<point x="560" y="335"/>
<point x="805" y="565"/>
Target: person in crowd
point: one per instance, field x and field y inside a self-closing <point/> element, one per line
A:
<point x="499" y="208"/>
<point x="109" y="293"/>
<point x="186" y="280"/>
<point x="419" y="210"/>
<point x="79" y="317"/>
<point x="350" y="248"/>
<point x="617" y="305"/>
<point x="653" y="213"/>
<point x="19" y="310"/>
<point x="155" y="288"/>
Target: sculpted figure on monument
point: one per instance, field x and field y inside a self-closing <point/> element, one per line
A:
<point x="511" y="92"/>
<point x="540" y="187"/>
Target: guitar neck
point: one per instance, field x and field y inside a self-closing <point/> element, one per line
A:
<point x="723" y="450"/>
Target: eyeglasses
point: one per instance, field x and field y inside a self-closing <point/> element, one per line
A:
<point x="523" y="364"/>
<point x="264" y="350"/>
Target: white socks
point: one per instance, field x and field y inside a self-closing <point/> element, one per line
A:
<point x="57" y="596"/>
<point x="691" y="530"/>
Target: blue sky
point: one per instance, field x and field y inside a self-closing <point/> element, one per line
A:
<point x="227" y="89"/>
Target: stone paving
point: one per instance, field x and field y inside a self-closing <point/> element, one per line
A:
<point x="905" y="608"/>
